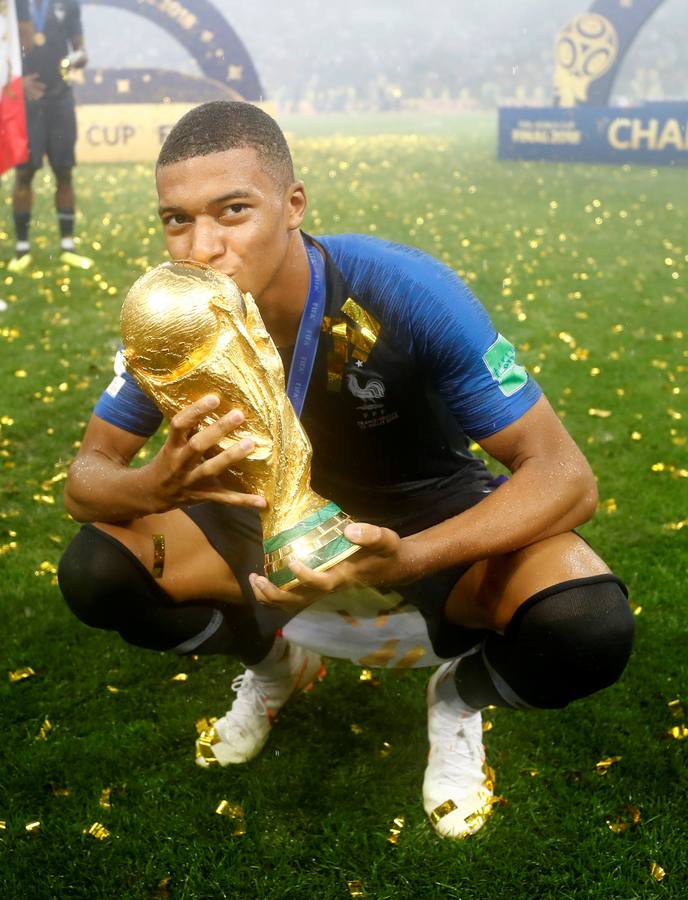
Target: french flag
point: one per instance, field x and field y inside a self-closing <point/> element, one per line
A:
<point x="14" y="140"/>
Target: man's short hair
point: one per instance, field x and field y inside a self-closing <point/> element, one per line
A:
<point x="229" y="125"/>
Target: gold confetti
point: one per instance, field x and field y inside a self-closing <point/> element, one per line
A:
<point x="609" y="506"/>
<point x="180" y="676"/>
<point x="234" y="813"/>
<point x="3" y="825"/>
<point x="657" y="872"/>
<point x="98" y="831"/>
<point x="678" y="732"/>
<point x="355" y="728"/>
<point x="33" y="827"/>
<point x="111" y="689"/>
<point x="604" y="765"/>
<point x="636" y="609"/>
<point x="355" y="888"/>
<point x="629" y="818"/>
<point x="368" y="677"/>
<point x="395" y="830"/>
<point x="44" y="730"/>
<point x="386" y="749"/>
<point x="21" y="674"/>
<point x="599" y="413"/>
<point x="205" y="724"/>
<point x="677" y="708"/>
<point x="104" y="801"/>
<point x="487" y="725"/>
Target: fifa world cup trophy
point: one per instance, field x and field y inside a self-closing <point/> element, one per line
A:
<point x="189" y="331"/>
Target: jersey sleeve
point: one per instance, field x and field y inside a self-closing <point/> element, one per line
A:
<point x="474" y="367"/>
<point x="431" y="312"/>
<point x="124" y="404"/>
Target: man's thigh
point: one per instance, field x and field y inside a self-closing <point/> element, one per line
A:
<point x="61" y="133"/>
<point x="36" y="127"/>
<point x="490" y="592"/>
<point x="192" y="568"/>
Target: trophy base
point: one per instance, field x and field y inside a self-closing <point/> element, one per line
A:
<point x="317" y="541"/>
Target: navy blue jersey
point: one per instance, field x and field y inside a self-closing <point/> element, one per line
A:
<point x="408" y="368"/>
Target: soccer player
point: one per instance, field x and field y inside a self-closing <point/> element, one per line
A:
<point x="51" y="36"/>
<point x="482" y="576"/>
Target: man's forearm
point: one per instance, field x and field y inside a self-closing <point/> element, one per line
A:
<point x="534" y="504"/>
<point x="100" y="490"/>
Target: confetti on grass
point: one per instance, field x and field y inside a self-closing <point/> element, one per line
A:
<point x="235" y="814"/>
<point x="98" y="831"/>
<point x="628" y="818"/>
<point x="395" y="830"/>
<point x="657" y="872"/>
<point x="21" y="674"/>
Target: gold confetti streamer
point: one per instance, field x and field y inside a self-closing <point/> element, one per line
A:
<point x="677" y="709"/>
<point x="657" y="872"/>
<point x="44" y="730"/>
<point x="395" y="830"/>
<point x="678" y="732"/>
<point x="104" y="801"/>
<point x="367" y="677"/>
<point x="180" y="676"/>
<point x="21" y="674"/>
<point x="355" y="888"/>
<point x="604" y="765"/>
<point x="235" y="814"/>
<point x="599" y="413"/>
<point x="628" y="818"/>
<point x="98" y="831"/>
<point x="111" y="689"/>
<point x="33" y="827"/>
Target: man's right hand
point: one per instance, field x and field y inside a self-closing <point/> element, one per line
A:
<point x="190" y="466"/>
<point x="33" y="87"/>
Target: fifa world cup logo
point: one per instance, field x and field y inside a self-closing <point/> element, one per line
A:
<point x="585" y="51"/>
<point x="189" y="331"/>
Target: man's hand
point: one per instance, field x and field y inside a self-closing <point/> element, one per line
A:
<point x="191" y="467"/>
<point x="33" y="87"/>
<point x="384" y="559"/>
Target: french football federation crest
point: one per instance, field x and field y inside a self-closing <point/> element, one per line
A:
<point x="374" y="389"/>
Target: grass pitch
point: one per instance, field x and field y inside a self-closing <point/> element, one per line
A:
<point x="584" y="268"/>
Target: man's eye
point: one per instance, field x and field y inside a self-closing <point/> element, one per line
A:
<point x="174" y="219"/>
<point x="235" y="208"/>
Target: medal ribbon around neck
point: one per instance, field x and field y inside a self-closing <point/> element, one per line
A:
<point x="39" y="14"/>
<point x="309" y="332"/>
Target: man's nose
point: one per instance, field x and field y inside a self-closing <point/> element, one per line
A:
<point x="206" y="243"/>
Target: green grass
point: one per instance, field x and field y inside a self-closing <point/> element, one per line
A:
<point x="575" y="264"/>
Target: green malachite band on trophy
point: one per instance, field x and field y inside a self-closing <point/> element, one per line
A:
<point x="335" y="548"/>
<point x="304" y="526"/>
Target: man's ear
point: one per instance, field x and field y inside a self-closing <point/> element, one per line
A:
<point x="297" y="203"/>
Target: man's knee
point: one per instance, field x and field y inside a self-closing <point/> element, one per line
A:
<point x="98" y="579"/>
<point x="23" y="179"/>
<point x="571" y="640"/>
<point x="63" y="176"/>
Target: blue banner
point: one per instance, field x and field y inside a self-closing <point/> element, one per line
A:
<point x="653" y="134"/>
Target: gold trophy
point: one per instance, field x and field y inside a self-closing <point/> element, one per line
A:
<point x="189" y="331"/>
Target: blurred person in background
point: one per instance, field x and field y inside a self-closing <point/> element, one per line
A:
<point x="483" y="577"/>
<point x="52" y="43"/>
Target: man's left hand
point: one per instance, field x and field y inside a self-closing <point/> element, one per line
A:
<point x="382" y="560"/>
